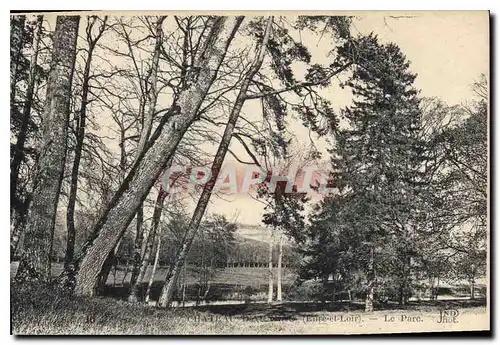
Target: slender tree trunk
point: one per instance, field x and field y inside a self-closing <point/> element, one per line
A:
<point x="472" y="283"/>
<point x="184" y="284"/>
<point x="153" y="271"/>
<point x="26" y="117"/>
<point x="80" y="137"/>
<point x="270" y="291"/>
<point x="369" y="299"/>
<point x="153" y="91"/>
<point x="199" y="211"/>
<point x="137" y="249"/>
<point x="111" y="259"/>
<point x="436" y="295"/>
<point x="134" y="296"/>
<point x="279" y="297"/>
<point x="145" y="172"/>
<point x="35" y="260"/>
<point x="138" y="261"/>
<point x="371" y="283"/>
<point x="401" y="294"/>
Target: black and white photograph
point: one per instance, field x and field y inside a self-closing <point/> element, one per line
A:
<point x="249" y="172"/>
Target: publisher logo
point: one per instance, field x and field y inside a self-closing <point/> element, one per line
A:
<point x="448" y="316"/>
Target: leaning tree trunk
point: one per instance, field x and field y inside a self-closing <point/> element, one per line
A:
<point x="174" y="270"/>
<point x="161" y="147"/>
<point x="23" y="131"/>
<point x="111" y="259"/>
<point x="138" y="255"/>
<point x="35" y="258"/>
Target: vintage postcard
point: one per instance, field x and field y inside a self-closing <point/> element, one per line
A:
<point x="249" y="173"/>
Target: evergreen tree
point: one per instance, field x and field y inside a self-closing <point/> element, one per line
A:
<point x="376" y="163"/>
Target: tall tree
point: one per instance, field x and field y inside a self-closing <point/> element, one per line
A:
<point x="376" y="161"/>
<point x="35" y="260"/>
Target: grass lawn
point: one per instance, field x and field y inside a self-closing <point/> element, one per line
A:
<point x="43" y="311"/>
<point x="251" y="276"/>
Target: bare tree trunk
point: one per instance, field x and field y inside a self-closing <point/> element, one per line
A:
<point x="35" y="260"/>
<point x="153" y="160"/>
<point x="111" y="259"/>
<point x="369" y="299"/>
<point x="371" y="283"/>
<point x="136" y="279"/>
<point x="279" y="297"/>
<point x="153" y="91"/>
<point x="26" y="116"/>
<point x="80" y="137"/>
<point x="137" y="249"/>
<point x="270" y="291"/>
<point x="436" y="294"/>
<point x="134" y="294"/>
<point x="172" y="276"/>
<point x="472" y="282"/>
<point x="184" y="284"/>
<point x="153" y="271"/>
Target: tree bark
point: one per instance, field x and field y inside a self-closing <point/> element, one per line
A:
<point x="160" y="149"/>
<point x="26" y="116"/>
<point x="35" y="260"/>
<point x="137" y="249"/>
<point x="172" y="276"/>
<point x="153" y="271"/>
<point x="279" y="296"/>
<point x="270" y="291"/>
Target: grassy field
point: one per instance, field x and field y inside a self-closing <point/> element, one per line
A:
<point x="226" y="281"/>
<point x="246" y="276"/>
<point x="43" y="311"/>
